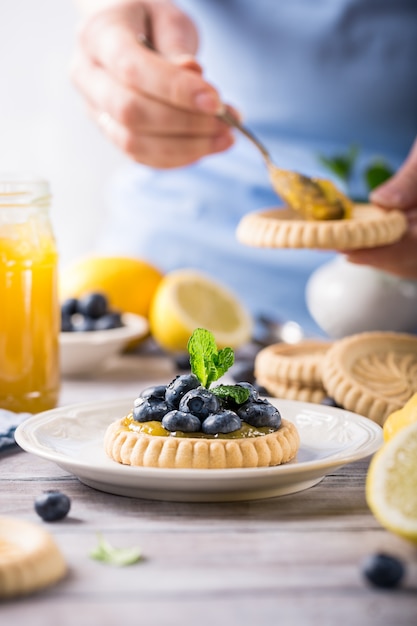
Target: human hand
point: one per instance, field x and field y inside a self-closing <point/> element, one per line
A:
<point x="154" y="106"/>
<point x="399" y="192"/>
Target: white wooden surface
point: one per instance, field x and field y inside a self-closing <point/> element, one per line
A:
<point x="292" y="560"/>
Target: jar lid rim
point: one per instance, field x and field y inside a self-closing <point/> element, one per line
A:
<point x="22" y="188"/>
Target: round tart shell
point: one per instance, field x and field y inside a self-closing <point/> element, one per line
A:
<point x="373" y="373"/>
<point x="139" y="449"/>
<point x="368" y="227"/>
<point x="29" y="558"/>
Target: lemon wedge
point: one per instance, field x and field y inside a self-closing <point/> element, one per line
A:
<point x="391" y="484"/>
<point x="187" y="299"/>
<point x="401" y="418"/>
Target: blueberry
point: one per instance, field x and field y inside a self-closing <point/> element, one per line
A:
<point x="93" y="305"/>
<point x="243" y="370"/>
<point x="150" y="409"/>
<point x="182" y="361"/>
<point x="222" y="422"/>
<point x="179" y="387"/>
<point x="178" y="420"/>
<point x="69" y="306"/>
<point x="108" y="321"/>
<point x="52" y="506"/>
<point x="66" y="323"/>
<point x="156" y="391"/>
<point x="200" y="402"/>
<point x="327" y="401"/>
<point x="84" y="324"/>
<point x="260" y="413"/>
<point x="383" y="570"/>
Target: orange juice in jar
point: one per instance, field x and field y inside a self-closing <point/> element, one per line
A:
<point x="29" y="306"/>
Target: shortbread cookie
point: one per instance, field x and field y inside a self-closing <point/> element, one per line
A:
<point x="29" y="558"/>
<point x="368" y="227"/>
<point x="372" y="373"/>
<point x="298" y="363"/>
<point x="131" y="447"/>
<point x="292" y="391"/>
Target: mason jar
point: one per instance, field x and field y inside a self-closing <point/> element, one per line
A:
<point x="29" y="306"/>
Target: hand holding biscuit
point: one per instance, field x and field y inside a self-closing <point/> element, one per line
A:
<point x="399" y="192"/>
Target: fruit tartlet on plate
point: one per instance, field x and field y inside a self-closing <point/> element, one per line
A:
<point x="187" y="424"/>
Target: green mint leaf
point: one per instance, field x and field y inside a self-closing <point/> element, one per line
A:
<point x="377" y="173"/>
<point x="341" y="165"/>
<point x="114" y="556"/>
<point x="222" y="361"/>
<point x="202" y="347"/>
<point x="208" y="363"/>
<point x="238" y="394"/>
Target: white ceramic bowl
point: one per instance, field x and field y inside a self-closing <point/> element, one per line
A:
<point x="87" y="352"/>
<point x="344" y="299"/>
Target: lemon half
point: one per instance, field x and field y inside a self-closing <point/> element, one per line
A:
<point x="187" y="299"/>
<point x="391" y="484"/>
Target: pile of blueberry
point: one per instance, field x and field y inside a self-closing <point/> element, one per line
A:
<point x="187" y="406"/>
<point x="91" y="312"/>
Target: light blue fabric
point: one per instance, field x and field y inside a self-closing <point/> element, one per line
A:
<point x="310" y="77"/>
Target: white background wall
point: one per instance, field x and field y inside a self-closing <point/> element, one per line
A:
<point x="43" y="126"/>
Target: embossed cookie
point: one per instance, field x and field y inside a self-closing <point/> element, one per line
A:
<point x="132" y="447"/>
<point x="368" y="227"/>
<point x="372" y="373"/>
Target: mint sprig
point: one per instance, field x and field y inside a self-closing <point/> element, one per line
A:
<point x="238" y="394"/>
<point x="106" y="553"/>
<point x="208" y="363"/>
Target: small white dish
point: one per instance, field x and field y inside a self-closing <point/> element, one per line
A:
<point x="72" y="437"/>
<point x="87" y="352"/>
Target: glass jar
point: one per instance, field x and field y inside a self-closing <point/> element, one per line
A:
<point x="29" y="306"/>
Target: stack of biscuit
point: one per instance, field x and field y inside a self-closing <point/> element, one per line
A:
<point x="293" y="371"/>
<point x="370" y="373"/>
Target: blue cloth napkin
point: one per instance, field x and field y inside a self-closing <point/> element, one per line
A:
<point x="9" y="421"/>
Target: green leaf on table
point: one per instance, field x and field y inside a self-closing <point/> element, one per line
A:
<point x="377" y="173"/>
<point x="238" y="394"/>
<point x="208" y="363"/>
<point x="106" y="553"/>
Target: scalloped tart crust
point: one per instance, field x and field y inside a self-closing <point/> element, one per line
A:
<point x="140" y="449"/>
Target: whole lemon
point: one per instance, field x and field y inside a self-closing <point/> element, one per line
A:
<point x="128" y="283"/>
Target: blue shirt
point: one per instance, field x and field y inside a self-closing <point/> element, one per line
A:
<point x="310" y="78"/>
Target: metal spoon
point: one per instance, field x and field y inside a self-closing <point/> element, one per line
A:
<point x="314" y="198"/>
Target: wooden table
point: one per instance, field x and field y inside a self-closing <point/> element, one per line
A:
<point x="293" y="560"/>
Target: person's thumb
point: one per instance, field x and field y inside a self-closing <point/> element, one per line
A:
<point x="174" y="35"/>
<point x="400" y="191"/>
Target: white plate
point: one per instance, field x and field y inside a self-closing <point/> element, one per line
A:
<point x="72" y="437"/>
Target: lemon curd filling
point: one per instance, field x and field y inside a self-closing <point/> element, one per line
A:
<point x="155" y="428"/>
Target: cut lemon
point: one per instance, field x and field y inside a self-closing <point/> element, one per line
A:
<point x="129" y="283"/>
<point x="391" y="484"/>
<point x="187" y="299"/>
<point x="400" y="419"/>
